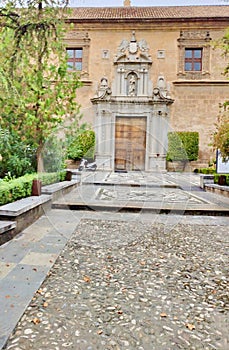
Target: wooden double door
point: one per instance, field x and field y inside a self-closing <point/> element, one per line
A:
<point x="130" y="143"/>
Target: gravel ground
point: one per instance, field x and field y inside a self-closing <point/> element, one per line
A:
<point x="134" y="285"/>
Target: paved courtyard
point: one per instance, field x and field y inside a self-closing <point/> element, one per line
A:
<point x="119" y="280"/>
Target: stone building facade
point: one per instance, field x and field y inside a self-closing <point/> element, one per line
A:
<point x="147" y="71"/>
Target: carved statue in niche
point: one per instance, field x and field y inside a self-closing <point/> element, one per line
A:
<point x="132" y="85"/>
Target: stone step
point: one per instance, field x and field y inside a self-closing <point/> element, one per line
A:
<point x="204" y="209"/>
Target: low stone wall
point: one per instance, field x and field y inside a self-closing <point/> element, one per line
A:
<point x="181" y="167"/>
<point x="72" y="164"/>
<point x="222" y="190"/>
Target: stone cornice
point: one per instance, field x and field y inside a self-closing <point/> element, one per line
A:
<point x="201" y="82"/>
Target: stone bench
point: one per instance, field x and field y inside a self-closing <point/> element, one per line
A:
<point x="206" y="179"/>
<point x="60" y="188"/>
<point x="75" y="174"/>
<point x="24" y="212"/>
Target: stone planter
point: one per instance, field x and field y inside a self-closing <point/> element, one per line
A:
<point x="68" y="176"/>
<point x="175" y="166"/>
<point x="72" y="164"/>
<point x="222" y="180"/>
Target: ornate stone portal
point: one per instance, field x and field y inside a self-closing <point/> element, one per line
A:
<point x="132" y="117"/>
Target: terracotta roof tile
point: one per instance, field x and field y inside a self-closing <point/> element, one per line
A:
<point x="165" y="12"/>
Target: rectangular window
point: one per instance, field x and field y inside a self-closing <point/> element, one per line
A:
<point x="193" y="60"/>
<point x="75" y="58"/>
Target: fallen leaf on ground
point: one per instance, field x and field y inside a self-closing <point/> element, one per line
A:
<point x="190" y="326"/>
<point x="87" y="279"/>
<point x="36" y="320"/>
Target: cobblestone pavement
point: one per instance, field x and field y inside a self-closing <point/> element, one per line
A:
<point x="132" y="285"/>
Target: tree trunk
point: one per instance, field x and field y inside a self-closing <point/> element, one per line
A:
<point x="40" y="161"/>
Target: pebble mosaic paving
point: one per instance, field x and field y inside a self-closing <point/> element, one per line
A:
<point x="132" y="286"/>
<point x="148" y="195"/>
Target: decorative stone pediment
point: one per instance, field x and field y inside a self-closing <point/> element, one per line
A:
<point x="133" y="51"/>
<point x="194" y="35"/>
<point x="133" y="63"/>
<point x="80" y="37"/>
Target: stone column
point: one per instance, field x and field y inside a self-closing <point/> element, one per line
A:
<point x="104" y="130"/>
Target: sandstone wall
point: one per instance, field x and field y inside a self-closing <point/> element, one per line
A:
<point x="196" y="100"/>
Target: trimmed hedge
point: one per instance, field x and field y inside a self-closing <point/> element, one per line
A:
<point x="12" y="190"/>
<point x="49" y="178"/>
<point x="205" y="171"/>
<point x="183" y="146"/>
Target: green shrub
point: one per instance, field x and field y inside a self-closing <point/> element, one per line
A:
<point x="206" y="171"/>
<point x="83" y="145"/>
<point x="49" y="178"/>
<point x="14" y="189"/>
<point x="11" y="190"/>
<point x="17" y="156"/>
<point x="183" y="146"/>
